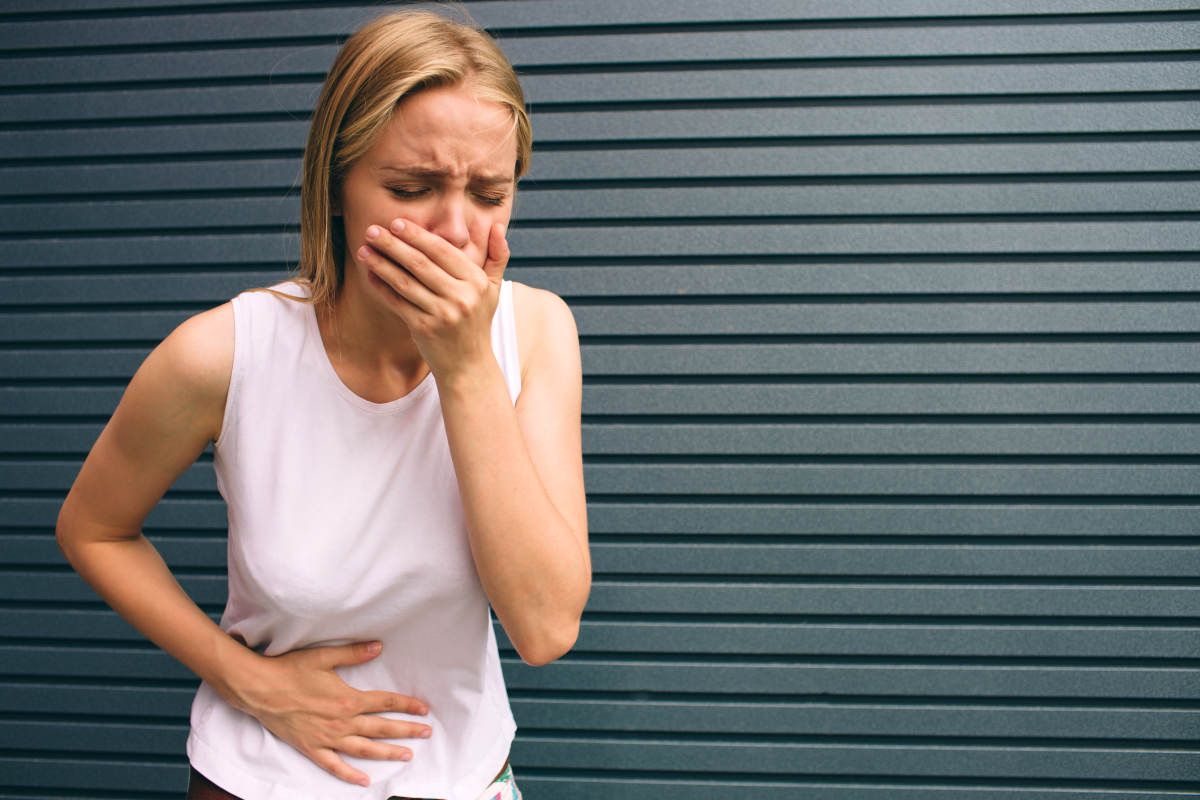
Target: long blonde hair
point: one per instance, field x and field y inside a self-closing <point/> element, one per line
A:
<point x="384" y="62"/>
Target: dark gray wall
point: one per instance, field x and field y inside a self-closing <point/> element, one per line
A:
<point x="891" y="349"/>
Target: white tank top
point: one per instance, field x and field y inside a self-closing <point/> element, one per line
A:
<point x="345" y="525"/>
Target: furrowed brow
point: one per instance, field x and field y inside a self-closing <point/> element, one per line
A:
<point x="433" y="173"/>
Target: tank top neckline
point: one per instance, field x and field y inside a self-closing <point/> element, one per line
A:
<point x="313" y="333"/>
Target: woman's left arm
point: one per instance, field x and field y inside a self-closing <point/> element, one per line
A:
<point x="520" y="470"/>
<point x="520" y="474"/>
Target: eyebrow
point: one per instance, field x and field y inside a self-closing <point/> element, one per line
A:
<point x="432" y="173"/>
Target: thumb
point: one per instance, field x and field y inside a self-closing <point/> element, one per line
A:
<point x="345" y="655"/>
<point x="497" y="255"/>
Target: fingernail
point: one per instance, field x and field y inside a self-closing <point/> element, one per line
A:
<point x="397" y="226"/>
<point x="425" y="734"/>
<point x="364" y="253"/>
<point x="374" y="647"/>
<point x="406" y="756"/>
<point x="373" y="232"/>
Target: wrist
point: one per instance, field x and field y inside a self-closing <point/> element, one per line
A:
<point x="468" y="376"/>
<point x="240" y="671"/>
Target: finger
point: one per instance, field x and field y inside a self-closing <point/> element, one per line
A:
<point x="397" y="281"/>
<point x="361" y="747"/>
<point x="419" y="265"/>
<point x="332" y="763"/>
<point x="497" y="256"/>
<point x="345" y="655"/>
<point x="378" y="700"/>
<point x="374" y="727"/>
<point x="437" y="251"/>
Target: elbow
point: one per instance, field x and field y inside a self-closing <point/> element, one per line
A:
<point x="549" y="645"/>
<point x="62" y="532"/>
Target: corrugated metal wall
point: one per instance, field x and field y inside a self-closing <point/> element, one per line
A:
<point x="891" y="349"/>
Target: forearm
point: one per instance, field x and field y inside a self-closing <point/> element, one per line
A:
<point x="532" y="563"/>
<point x="130" y="576"/>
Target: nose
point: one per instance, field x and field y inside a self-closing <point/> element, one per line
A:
<point x="450" y="220"/>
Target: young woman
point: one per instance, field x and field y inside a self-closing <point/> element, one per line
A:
<point x="397" y="439"/>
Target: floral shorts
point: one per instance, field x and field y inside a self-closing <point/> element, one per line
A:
<point x="503" y="788"/>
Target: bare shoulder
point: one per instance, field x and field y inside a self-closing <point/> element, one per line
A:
<point x="546" y="332"/>
<point x="200" y="350"/>
<point x="191" y="369"/>
<point x="539" y="307"/>
<point x="171" y="409"/>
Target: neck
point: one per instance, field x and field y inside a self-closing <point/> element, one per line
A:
<point x="370" y="347"/>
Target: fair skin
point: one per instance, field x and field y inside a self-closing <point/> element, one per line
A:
<point x="425" y="211"/>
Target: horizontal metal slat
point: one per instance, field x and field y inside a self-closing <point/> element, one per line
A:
<point x="280" y="175"/>
<point x="833" y="120"/>
<point x="702" y="639"/>
<point x="737" y="401"/>
<point x="755" y="517"/>
<point x="251" y="62"/>
<point x="820" y="201"/>
<point x="883" y="359"/>
<point x="807" y="717"/>
<point x="274" y="97"/>
<point x="729" y="318"/>
<point x="87" y="775"/>
<point x="966" y="639"/>
<point x="843" y="41"/>
<point x="961" y="559"/>
<point x="891" y="439"/>
<point x="858" y="159"/>
<point x="250" y="251"/>
<point x="583" y="12"/>
<point x="187" y="288"/>
<point x="845" y="517"/>
<point x="648" y="675"/>
<point x="1027" y="480"/>
<point x="848" y="597"/>
<point x="923" y="399"/>
<point x="854" y="81"/>
<point x="737" y="359"/>
<point x="898" y="277"/>
<point x="177" y="551"/>
<point x="912" y="640"/>
<point x="799" y="440"/>
<point x="538" y="206"/>
<point x="698" y="597"/>
<point x="43" y="474"/>
<point x="613" y="559"/>
<point x="143" y="702"/>
<point x="63" y="737"/>
<point x="861" y="159"/>
<point x="831" y="319"/>
<point x="686" y="787"/>
<point x="851" y="41"/>
<point x="683" y="239"/>
<point x="826" y="759"/>
<point x="41" y="512"/>
<point x="183" y="286"/>
<point x="923" y="238"/>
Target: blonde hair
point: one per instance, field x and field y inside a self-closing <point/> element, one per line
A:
<point x="384" y="62"/>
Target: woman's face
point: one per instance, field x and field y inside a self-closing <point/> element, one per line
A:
<point x="445" y="161"/>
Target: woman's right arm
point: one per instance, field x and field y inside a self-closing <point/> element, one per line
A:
<point x="171" y="410"/>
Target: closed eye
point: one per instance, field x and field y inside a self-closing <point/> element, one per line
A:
<point x="407" y="193"/>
